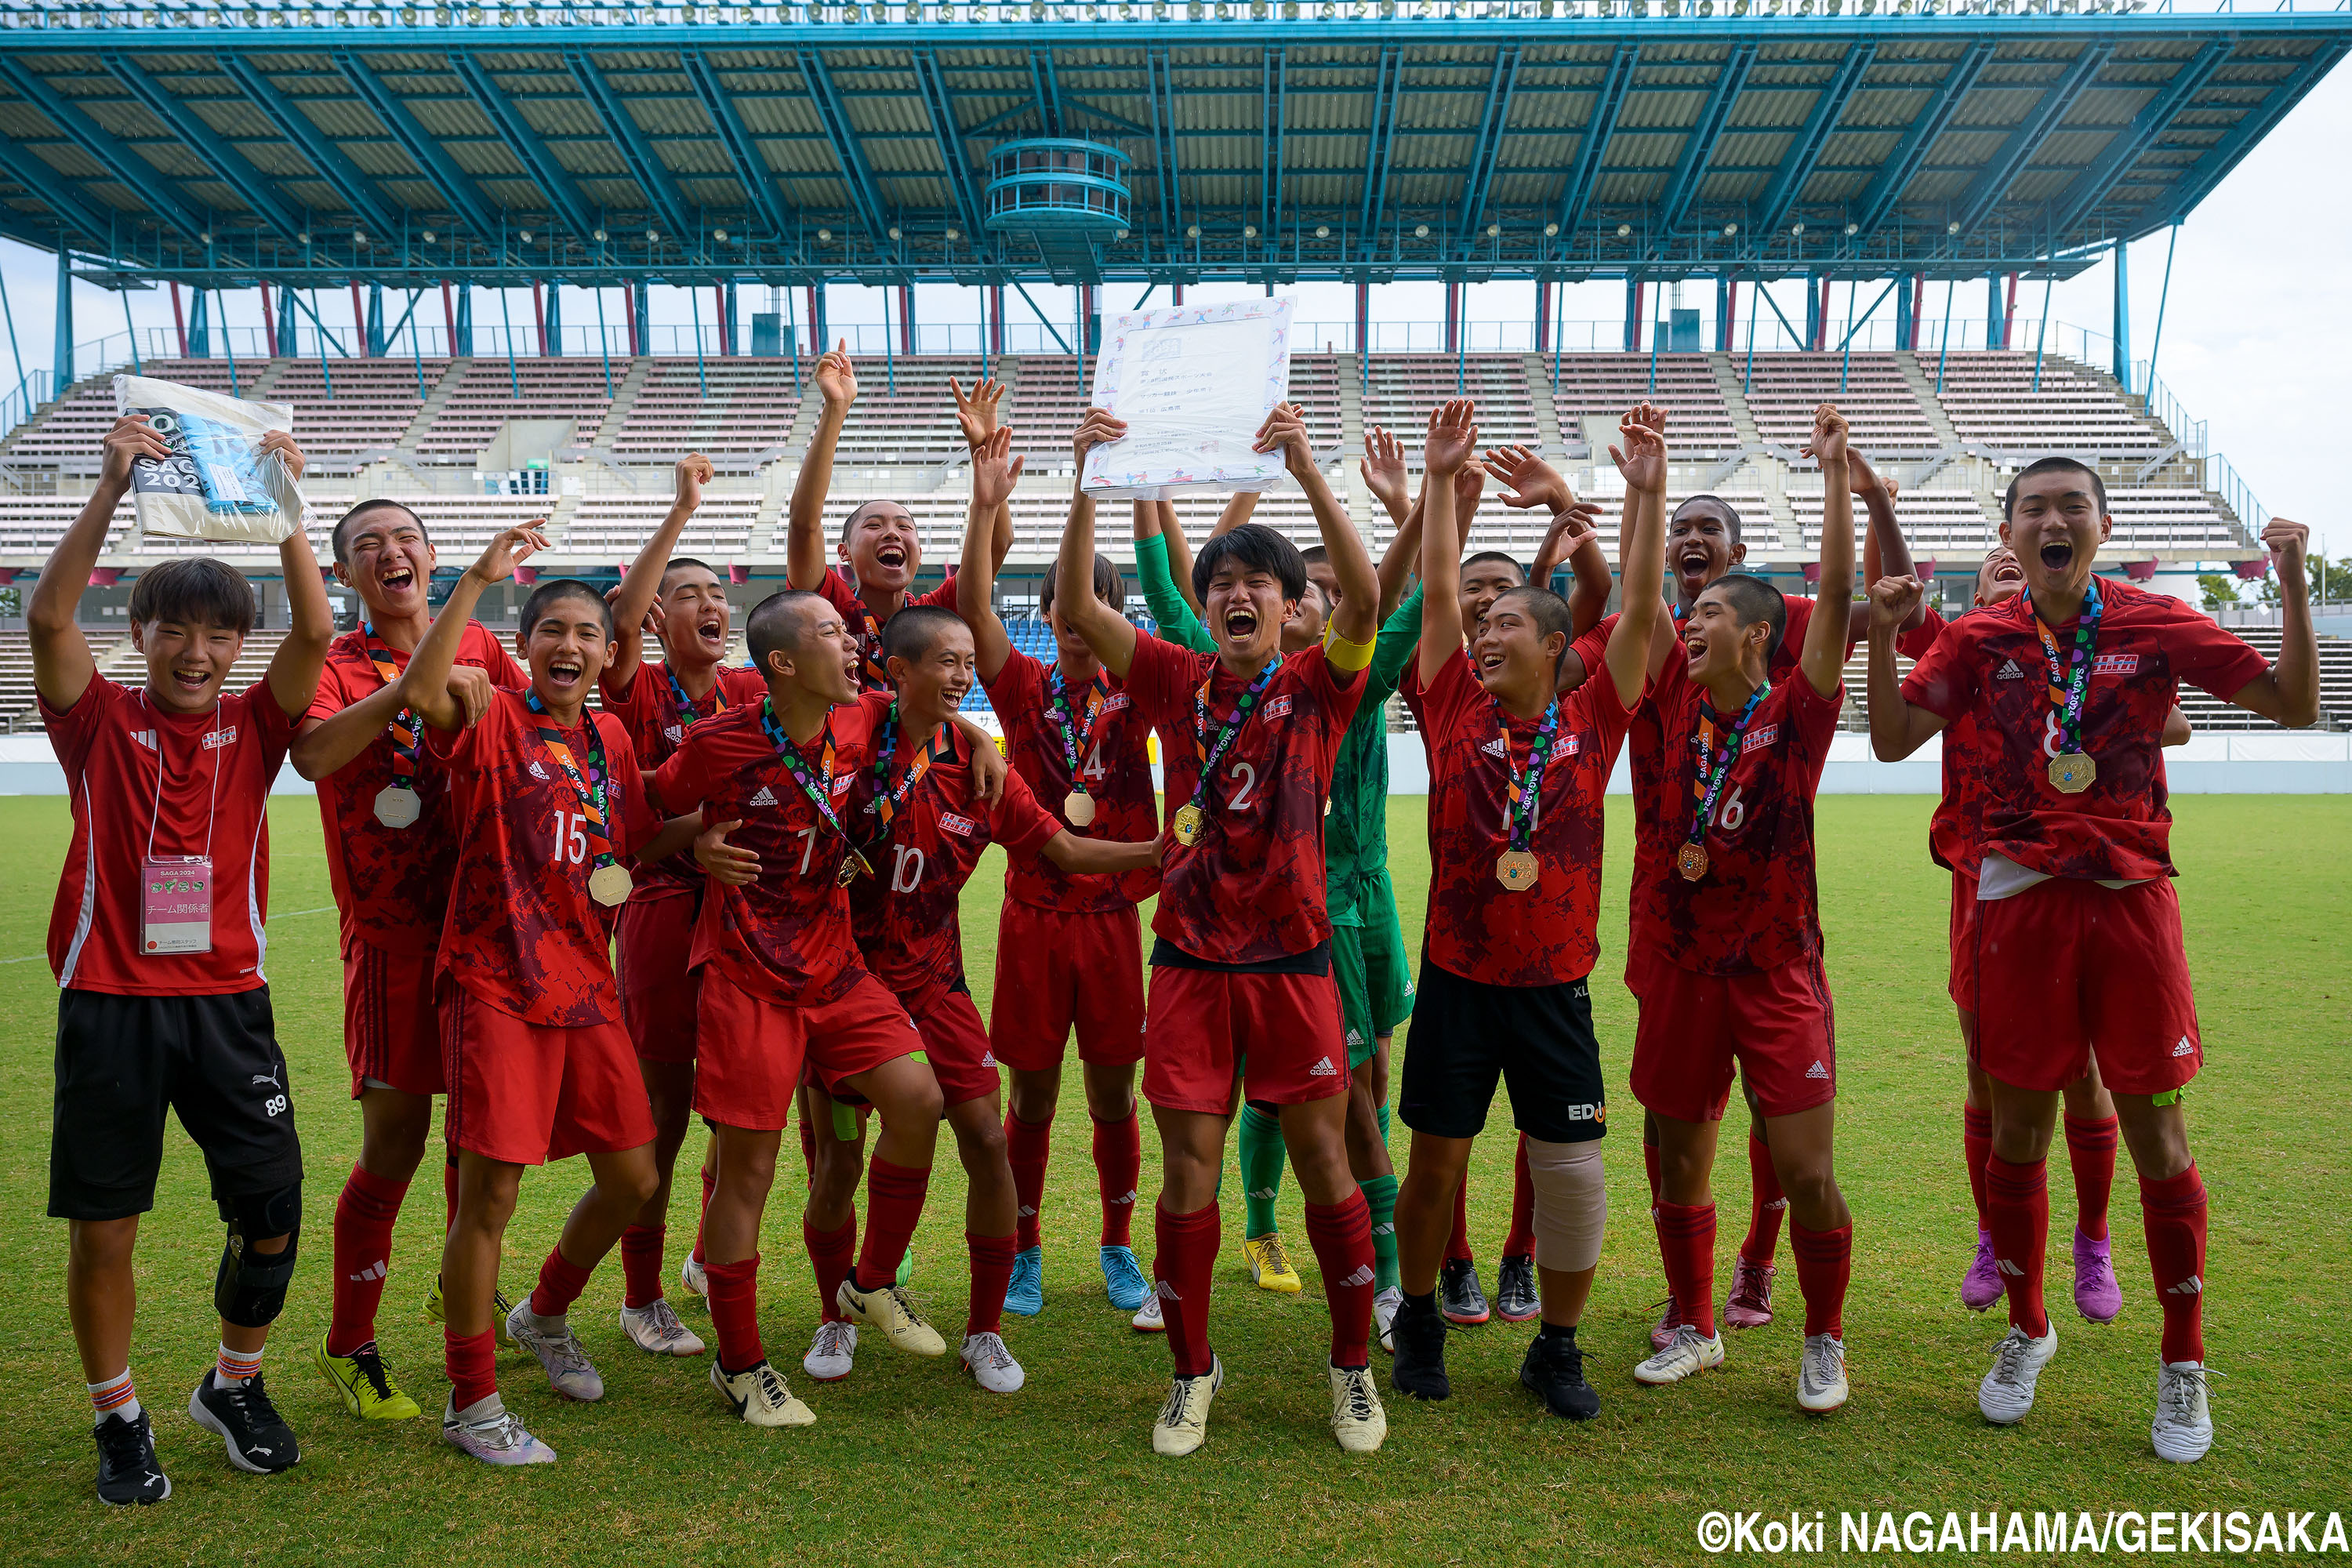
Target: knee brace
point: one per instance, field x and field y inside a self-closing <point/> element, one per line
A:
<point x="1572" y="1207"/>
<point x="250" y="1289"/>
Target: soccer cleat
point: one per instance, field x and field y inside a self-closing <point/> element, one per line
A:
<point x="654" y="1328"/>
<point x="1750" y="1304"/>
<point x="760" y="1396"/>
<point x="890" y="1312"/>
<point x="489" y="1430"/>
<point x="367" y="1389"/>
<point x="2007" y="1392"/>
<point x="1687" y="1356"/>
<point x="1148" y="1318"/>
<point x="2183" y="1432"/>
<point x="127" y="1470"/>
<point x="832" y="1352"/>
<point x="1384" y="1312"/>
<point x="241" y="1416"/>
<point x="1821" y="1375"/>
<point x="1357" y="1419"/>
<point x="1025" y="1295"/>
<point x="1183" y="1424"/>
<point x="569" y="1371"/>
<point x="1516" y="1299"/>
<point x="501" y="1308"/>
<point x="1458" y="1296"/>
<point x="1123" y="1277"/>
<point x="2097" y="1295"/>
<point x="1270" y="1267"/>
<point x="1553" y="1370"/>
<point x="695" y="1277"/>
<point x="1419" y="1336"/>
<point x="990" y="1364"/>
<point x="1670" y="1319"/>
<point x="1980" y="1287"/>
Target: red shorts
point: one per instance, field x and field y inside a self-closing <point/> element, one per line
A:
<point x="528" y="1093"/>
<point x="751" y="1052"/>
<point x="1776" y="1027"/>
<point x="1281" y="1033"/>
<point x="956" y="1044"/>
<point x="857" y="1033"/>
<point x="1057" y="970"/>
<point x="1964" y="941"/>
<point x="2067" y="970"/>
<point x="658" y="989"/>
<point x="390" y="1034"/>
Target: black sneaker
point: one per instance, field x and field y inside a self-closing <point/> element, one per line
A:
<point x="127" y="1470"/>
<point x="1554" y="1371"/>
<point x="1458" y="1296"/>
<point x="1516" y="1298"/>
<point x="1419" y="1371"/>
<point x="243" y="1418"/>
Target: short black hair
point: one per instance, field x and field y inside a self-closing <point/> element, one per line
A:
<point x="1315" y="555"/>
<point x="1510" y="560"/>
<point x="2053" y="465"/>
<point x="861" y="506"/>
<point x="776" y="623"/>
<point x="200" y="591"/>
<point x="341" y="537"/>
<point x="1548" y="610"/>
<point x="1253" y="547"/>
<point x="554" y="592"/>
<point x="1753" y="600"/>
<point x="675" y="562"/>
<point x="1730" y="512"/>
<point x="1109" y="586"/>
<point x="916" y="630"/>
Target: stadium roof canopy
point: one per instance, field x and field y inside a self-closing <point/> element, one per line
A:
<point x="1269" y="140"/>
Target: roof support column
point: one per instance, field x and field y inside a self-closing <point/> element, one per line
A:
<point x="1903" y="324"/>
<point x="1633" y="313"/>
<point x="462" y="345"/>
<point x="1543" y="315"/>
<point x="2123" y="316"/>
<point x="554" y="333"/>
<point x="1726" y="295"/>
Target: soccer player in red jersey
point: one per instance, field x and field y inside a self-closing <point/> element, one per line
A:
<point x="156" y="940"/>
<point x="1519" y="774"/>
<point x="1241" y="995"/>
<point x="2078" y="941"/>
<point x="391" y="852"/>
<point x="545" y="799"/>
<point x="1735" y="977"/>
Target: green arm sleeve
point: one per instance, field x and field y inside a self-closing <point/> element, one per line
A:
<point x="1177" y="622"/>
<point x="1399" y="640"/>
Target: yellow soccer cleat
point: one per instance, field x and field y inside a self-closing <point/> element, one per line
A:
<point x="1269" y="1265"/>
<point x="435" y="1311"/>
<point x="367" y="1389"/>
<point x="890" y="1312"/>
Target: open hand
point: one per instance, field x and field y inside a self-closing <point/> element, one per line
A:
<point x="1452" y="436"/>
<point x="1383" y="468"/>
<point x="510" y="549"/>
<point x="1529" y="480"/>
<point x="1640" y="452"/>
<point x="994" y="471"/>
<point x="727" y="863"/>
<point x="976" y="411"/>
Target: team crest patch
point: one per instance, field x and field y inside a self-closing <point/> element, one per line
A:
<point x="215" y="739"/>
<point x="841" y="785"/>
<point x="1278" y="709"/>
<point x="2116" y="664"/>
<point x="1574" y="744"/>
<point x="1758" y="739"/>
<point x="961" y="827"/>
<point x="1115" y="702"/>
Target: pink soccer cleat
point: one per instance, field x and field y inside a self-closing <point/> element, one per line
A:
<point x="2097" y="1295"/>
<point x="1749" y="1305"/>
<point x="1981" y="1288"/>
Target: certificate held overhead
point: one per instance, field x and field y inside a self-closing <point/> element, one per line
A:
<point x="1193" y="384"/>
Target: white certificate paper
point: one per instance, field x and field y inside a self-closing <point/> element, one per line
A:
<point x="1193" y="384"/>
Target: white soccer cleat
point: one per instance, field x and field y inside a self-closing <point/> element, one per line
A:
<point x="1357" y="1419"/>
<point x="569" y="1371"/>
<point x="1820" y="1375"/>
<point x="1384" y="1312"/>
<point x="1148" y="1318"/>
<point x="2183" y="1432"/>
<point x="1686" y="1355"/>
<point x="832" y="1352"/>
<point x="990" y="1364"/>
<point x="760" y="1397"/>
<point x="2007" y="1392"/>
<point x="1183" y="1424"/>
<point x="654" y="1328"/>
<point x="489" y="1430"/>
<point x="890" y="1312"/>
<point x="695" y="1277"/>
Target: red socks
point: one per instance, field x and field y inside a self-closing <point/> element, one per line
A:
<point x="1119" y="1166"/>
<point x="991" y="1271"/>
<point x="1341" y="1234"/>
<point x="1457" y="1246"/>
<point x="710" y="1185"/>
<point x="1976" y="1148"/>
<point x="1824" y="1265"/>
<point x="735" y="1312"/>
<point x="1521" y="1242"/>
<point x="1026" y="1144"/>
<point x="894" y="1206"/>
<point x="829" y="1255"/>
<point x="2174" y="1212"/>
<point x="2016" y="1207"/>
<point x="2091" y="1150"/>
<point x="1687" y="1246"/>
<point x="473" y="1367"/>
<point x="364" y="1221"/>
<point x="641" y="1263"/>
<point x="1183" y="1270"/>
<point x="1766" y="1205"/>
<point x="561" y="1281"/>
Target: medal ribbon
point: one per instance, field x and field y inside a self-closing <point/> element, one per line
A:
<point x="869" y="648"/>
<point x="406" y="735"/>
<point x="2070" y="683"/>
<point x="686" y="708"/>
<point x="887" y="799"/>
<point x="1075" y="734"/>
<point x="820" y="795"/>
<point x="1714" y="762"/>
<point x="590" y="791"/>
<point x="1519" y="799"/>
<point x="1211" y="752"/>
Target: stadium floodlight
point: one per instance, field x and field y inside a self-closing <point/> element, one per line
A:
<point x="1494" y="231"/>
<point x="719" y="234"/>
<point x="1249" y="231"/>
<point x="1953" y="226"/>
<point x="1193" y="231"/>
<point x="304" y="238"/>
<point x="427" y="237"/>
<point x="1852" y="229"/>
<point x="206" y="237"/>
<point x="1552" y="230"/>
<point x="1624" y="230"/>
<point x="894" y="231"/>
<point x="824" y="237"/>
<point x="1120" y="235"/>
<point x="598" y="237"/>
<point x="523" y="235"/>
<point x="1730" y="229"/>
<point x="1322" y="231"/>
<point x="1420" y="231"/>
<point x="652" y="236"/>
<point x="359" y="239"/>
<point x="1797" y="229"/>
<point x="951" y="233"/>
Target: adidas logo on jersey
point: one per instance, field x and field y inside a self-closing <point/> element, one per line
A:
<point x="1027" y="1212"/>
<point x="1817" y="1070"/>
<point x="2006" y="1266"/>
<point x="2184" y="1048"/>
<point x="674" y="733"/>
<point x="536" y="771"/>
<point x="2009" y="672"/>
<point x="1323" y="1068"/>
<point x="988" y="1058"/>
<point x="1355" y="1041"/>
<point x="145" y="737"/>
<point x="1360" y="1279"/>
<point x="765" y="797"/>
<point x="1494" y="748"/>
<point x="1123" y="1200"/>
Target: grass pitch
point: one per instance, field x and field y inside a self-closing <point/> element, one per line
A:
<point x="910" y="1462"/>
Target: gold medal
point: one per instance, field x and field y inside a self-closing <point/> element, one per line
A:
<point x="2073" y="772"/>
<point x="1691" y="861"/>
<point x="1517" y="870"/>
<point x="608" y="885"/>
<point x="853" y="865"/>
<point x="1188" y="823"/>
<point x="1078" y="807"/>
<point x="397" y="807"/>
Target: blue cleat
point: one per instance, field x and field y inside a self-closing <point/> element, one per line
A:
<point x="1123" y="1277"/>
<point x="1026" y="1297"/>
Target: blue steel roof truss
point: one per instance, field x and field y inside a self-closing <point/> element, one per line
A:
<point x="505" y="117"/>
<point x="254" y="187"/>
<point x="1500" y="88"/>
<point x="1895" y="178"/>
<point x="1698" y="147"/>
<point x="347" y="180"/>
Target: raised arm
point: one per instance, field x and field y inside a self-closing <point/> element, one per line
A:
<point x="425" y="685"/>
<point x="1897" y="726"/>
<point x="1171" y="603"/>
<point x="1358" y="618"/>
<point x="1109" y="633"/>
<point x="1177" y="548"/>
<point x="1884" y="552"/>
<point x="1452" y="438"/>
<point x="2288" y="693"/>
<point x="62" y="664"/>
<point x="641" y="584"/>
<point x="976" y="417"/>
<point x="1641" y="456"/>
<point x="1399" y="562"/>
<point x="993" y="475"/>
<point x="1382" y="468"/>
<point x="1823" y="656"/>
<point x="804" y="557"/>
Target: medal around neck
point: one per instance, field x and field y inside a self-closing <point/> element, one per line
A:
<point x="1188" y="823"/>
<point x="1517" y="870"/>
<point x="1078" y="808"/>
<point x="608" y="885"/>
<point x="396" y="806"/>
<point x="853" y="865"/>
<point x="1691" y="861"/>
<point x="2071" y="772"/>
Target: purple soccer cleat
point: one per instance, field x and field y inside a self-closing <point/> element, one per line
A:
<point x="2097" y="1295"/>
<point x="1981" y="1288"/>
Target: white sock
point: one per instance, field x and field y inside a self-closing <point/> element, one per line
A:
<point x="115" y="1397"/>
<point x="234" y="1367"/>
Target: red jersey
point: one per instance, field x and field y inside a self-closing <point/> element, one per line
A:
<point x="1115" y="760"/>
<point x="391" y="884"/>
<point x="522" y="934"/>
<point x="904" y="915"/>
<point x="786" y="936"/>
<point x="1952" y="831"/>
<point x="843" y="596"/>
<point x="1757" y="907"/>
<point x="1991" y="667"/>
<point x="1477" y="929"/>
<point x="648" y="703"/>
<point x="1251" y="890"/>
<point x="147" y="783"/>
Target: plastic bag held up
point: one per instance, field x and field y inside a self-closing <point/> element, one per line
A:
<point x="217" y="483"/>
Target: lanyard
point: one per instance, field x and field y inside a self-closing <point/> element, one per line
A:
<point x="820" y="795"/>
<point x="1076" y="732"/>
<point x="888" y="800"/>
<point x="686" y="708"/>
<point x="588" y="791"/>
<point x="1208" y="751"/>
<point x="870" y="663"/>
<point x="1714" y="762"/>
<point x="212" y="810"/>
<point x="2070" y="683"/>
<point x="406" y="735"/>
<point x="1520" y="796"/>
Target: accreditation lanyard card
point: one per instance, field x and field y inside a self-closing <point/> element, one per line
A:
<point x="217" y="483"/>
<point x="175" y="904"/>
<point x="1192" y="382"/>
